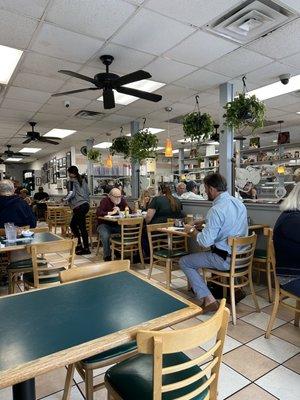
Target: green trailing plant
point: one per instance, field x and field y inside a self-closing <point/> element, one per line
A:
<point x="245" y="111"/>
<point x="143" y="145"/>
<point x="198" y="127"/>
<point x="121" y="145"/>
<point x="94" y="155"/>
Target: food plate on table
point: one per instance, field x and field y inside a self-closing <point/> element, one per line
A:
<point x="27" y="233"/>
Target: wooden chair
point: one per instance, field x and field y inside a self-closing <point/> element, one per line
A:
<point x="16" y="269"/>
<point x="49" y="275"/>
<point x="240" y="272"/>
<point x="130" y="239"/>
<point x="290" y="290"/>
<point x="86" y="367"/>
<point x="262" y="260"/>
<point x="160" y="252"/>
<point x="162" y="369"/>
<point x="57" y="217"/>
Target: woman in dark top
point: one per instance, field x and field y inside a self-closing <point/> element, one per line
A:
<point x="163" y="207"/>
<point x="287" y="236"/>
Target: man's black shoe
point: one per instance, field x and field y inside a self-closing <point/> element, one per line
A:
<point x="108" y="258"/>
<point x="83" y="252"/>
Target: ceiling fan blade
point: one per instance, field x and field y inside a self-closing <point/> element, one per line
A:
<point x="139" y="93"/>
<point x="108" y="98"/>
<point x="133" y="77"/>
<point x="76" y="75"/>
<point x="46" y="140"/>
<point x="27" y="141"/>
<point x="74" y="91"/>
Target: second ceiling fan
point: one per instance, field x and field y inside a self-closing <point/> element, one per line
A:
<point x="108" y="82"/>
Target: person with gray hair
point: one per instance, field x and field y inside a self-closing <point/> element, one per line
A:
<point x="13" y="208"/>
<point x="286" y="237"/>
<point x="180" y="189"/>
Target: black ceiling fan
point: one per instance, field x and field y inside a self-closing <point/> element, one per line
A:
<point x="9" y="153"/>
<point x="33" y="136"/>
<point x="108" y="81"/>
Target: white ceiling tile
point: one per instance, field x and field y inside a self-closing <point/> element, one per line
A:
<point x="152" y="33"/>
<point x="76" y="123"/>
<point x="196" y="12"/>
<point x="238" y="62"/>
<point x="202" y="80"/>
<point x="204" y="99"/>
<point x="33" y="8"/>
<point x="15" y="30"/>
<point x="270" y="73"/>
<point x="57" y="42"/>
<point x="20" y="105"/>
<point x="98" y="106"/>
<point x="293" y="61"/>
<point x="27" y="94"/>
<point x="99" y="18"/>
<point x="46" y="66"/>
<point x="294" y="4"/>
<point x="57" y="109"/>
<point x="164" y="70"/>
<point x="126" y="60"/>
<point x="281" y="43"/>
<point x="75" y="102"/>
<point x="46" y="119"/>
<point x="285" y="107"/>
<point x="281" y="101"/>
<point x="17" y="115"/>
<point x="37" y="82"/>
<point x="201" y="48"/>
<point x="74" y="84"/>
<point x="174" y="93"/>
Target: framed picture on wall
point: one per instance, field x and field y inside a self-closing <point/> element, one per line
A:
<point x="38" y="181"/>
<point x="60" y="162"/>
<point x="54" y="178"/>
<point x="68" y="157"/>
<point x="48" y="177"/>
<point x="63" y="172"/>
<point x="64" y="161"/>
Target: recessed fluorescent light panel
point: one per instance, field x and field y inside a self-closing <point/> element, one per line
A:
<point x="151" y="130"/>
<point x="14" y="159"/>
<point x="9" y="59"/>
<point x="276" y="89"/>
<point x="145" y="85"/>
<point x="188" y="140"/>
<point x="29" y="150"/>
<point x="103" y="145"/>
<point x="59" y="133"/>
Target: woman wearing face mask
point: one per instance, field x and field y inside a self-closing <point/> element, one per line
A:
<point x="109" y="205"/>
<point x="79" y="201"/>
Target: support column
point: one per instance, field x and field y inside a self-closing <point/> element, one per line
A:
<point x="226" y="138"/>
<point x="89" y="145"/>
<point x="135" y="166"/>
<point x="180" y="162"/>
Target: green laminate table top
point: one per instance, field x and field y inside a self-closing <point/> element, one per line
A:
<point x="22" y="243"/>
<point x="39" y="330"/>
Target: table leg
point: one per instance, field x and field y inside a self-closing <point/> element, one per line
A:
<point x="24" y="390"/>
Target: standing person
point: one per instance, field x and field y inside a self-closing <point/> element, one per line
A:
<point x="163" y="207"/>
<point x="109" y="205"/>
<point x="79" y="199"/>
<point x="227" y="217"/>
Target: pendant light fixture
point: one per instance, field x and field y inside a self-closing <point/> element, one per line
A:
<point x="109" y="161"/>
<point x="169" y="145"/>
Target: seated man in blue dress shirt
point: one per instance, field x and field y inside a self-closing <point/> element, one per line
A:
<point x="227" y="217"/>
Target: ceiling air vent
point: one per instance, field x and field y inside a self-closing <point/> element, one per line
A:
<point x="86" y="114"/>
<point x="250" y="20"/>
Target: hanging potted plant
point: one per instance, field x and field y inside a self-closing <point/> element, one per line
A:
<point x="196" y="126"/>
<point x="94" y="155"/>
<point x="121" y="145"/>
<point x="143" y="145"/>
<point x="245" y="111"/>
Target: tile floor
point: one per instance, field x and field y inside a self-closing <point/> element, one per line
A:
<point x="252" y="367"/>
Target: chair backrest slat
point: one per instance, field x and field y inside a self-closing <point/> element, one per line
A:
<point x="242" y="252"/>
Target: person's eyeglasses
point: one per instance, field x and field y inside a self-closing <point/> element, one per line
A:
<point x="116" y="197"/>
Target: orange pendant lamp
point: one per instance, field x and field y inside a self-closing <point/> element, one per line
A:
<point x="108" y="161"/>
<point x="169" y="145"/>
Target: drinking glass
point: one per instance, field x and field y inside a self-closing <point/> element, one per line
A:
<point x="10" y="232"/>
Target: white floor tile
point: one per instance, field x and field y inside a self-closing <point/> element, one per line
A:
<point x="261" y="320"/>
<point x="75" y="395"/>
<point x="178" y="283"/>
<point x="281" y="383"/>
<point x="230" y="382"/>
<point x="178" y="273"/>
<point x="274" y="348"/>
<point x="249" y="301"/>
<point x="229" y="344"/>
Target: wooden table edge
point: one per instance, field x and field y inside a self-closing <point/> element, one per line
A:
<point x="62" y="358"/>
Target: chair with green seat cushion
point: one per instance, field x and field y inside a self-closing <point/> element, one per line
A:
<point x="16" y="268"/>
<point x="133" y="378"/>
<point x="162" y="370"/>
<point x="160" y="253"/>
